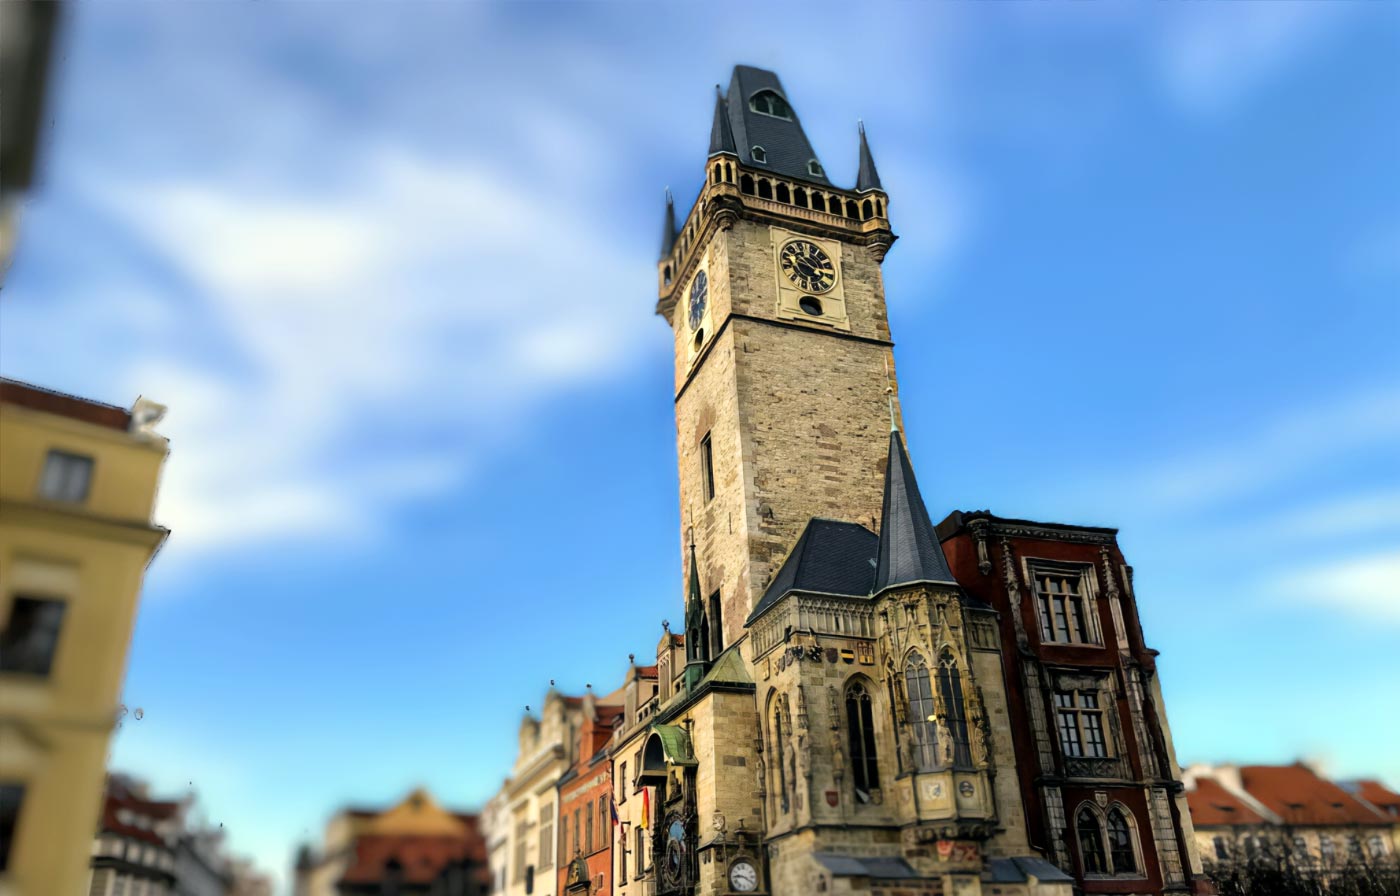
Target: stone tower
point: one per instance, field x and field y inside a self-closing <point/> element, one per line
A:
<point x="783" y="360"/>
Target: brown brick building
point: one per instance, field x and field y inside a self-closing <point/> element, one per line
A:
<point x="585" y="807"/>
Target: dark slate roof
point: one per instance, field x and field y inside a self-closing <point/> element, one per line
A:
<point x="909" y="549"/>
<point x="721" y="132"/>
<point x="883" y="867"/>
<point x="785" y="145"/>
<point x="830" y="557"/>
<point x="1019" y="870"/>
<point x="668" y="233"/>
<point x="867" y="178"/>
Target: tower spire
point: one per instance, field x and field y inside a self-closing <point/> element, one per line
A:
<point x="721" y="132"/>
<point x="909" y="547"/>
<point x="867" y="178"/>
<point x="668" y="235"/>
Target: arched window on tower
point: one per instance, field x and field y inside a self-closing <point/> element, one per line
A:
<point x="717" y="174"/>
<point x="765" y="190"/>
<point x="921" y="722"/>
<point x="1122" y="854"/>
<point x="1091" y="854"/>
<point x="860" y="722"/>
<point x="866" y="210"/>
<point x="950" y="688"/>
<point x="879" y="208"/>
<point x="852" y="210"/>
<point x="819" y="202"/>
<point x="767" y="102"/>
<point x="746" y="184"/>
<point x="783" y="194"/>
<point x="716" y="627"/>
<point x="799" y="197"/>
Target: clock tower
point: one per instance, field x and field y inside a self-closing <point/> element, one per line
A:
<point x="783" y="366"/>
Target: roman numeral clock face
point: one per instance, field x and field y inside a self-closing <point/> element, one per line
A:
<point x="806" y="265"/>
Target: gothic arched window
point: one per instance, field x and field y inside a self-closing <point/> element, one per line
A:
<point x="950" y="688"/>
<point x="921" y="712"/>
<point x="765" y="190"/>
<point x="1091" y="854"/>
<point x="1121" y="853"/>
<point x="852" y="210"/>
<point x="819" y="203"/>
<point x="799" y="197"/>
<point x="860" y="721"/>
<point x="783" y="195"/>
<point x="779" y="760"/>
<point x="866" y="210"/>
<point x="769" y="103"/>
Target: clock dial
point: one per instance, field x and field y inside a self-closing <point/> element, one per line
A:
<point x="743" y="877"/>
<point x="699" y="296"/>
<point x="808" y="266"/>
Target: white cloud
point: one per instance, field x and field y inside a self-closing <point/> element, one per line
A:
<point x="353" y="322"/>
<point x="1367" y="587"/>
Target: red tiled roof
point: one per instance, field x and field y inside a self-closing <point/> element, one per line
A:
<point x="120" y="802"/>
<point x="422" y="858"/>
<point x="1299" y="796"/>
<point x="1211" y="804"/>
<point x="1378" y="795"/>
<point x="646" y="671"/>
<point x="51" y="402"/>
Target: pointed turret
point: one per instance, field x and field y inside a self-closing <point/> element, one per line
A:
<point x="721" y="132"/>
<point x="909" y="548"/>
<point x="668" y="235"/>
<point x="867" y="178"/>
<point x="697" y="628"/>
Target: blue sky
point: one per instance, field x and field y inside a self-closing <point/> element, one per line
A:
<point x="391" y="267"/>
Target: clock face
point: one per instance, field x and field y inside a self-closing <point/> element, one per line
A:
<point x="743" y="877"/>
<point x="808" y="266"/>
<point x="699" y="295"/>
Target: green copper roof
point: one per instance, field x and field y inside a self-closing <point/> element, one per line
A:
<point x="728" y="669"/>
<point x="675" y="743"/>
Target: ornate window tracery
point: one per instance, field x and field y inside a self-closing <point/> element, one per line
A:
<point x="921" y="713"/>
<point x="950" y="688"/>
<point x="860" y="721"/>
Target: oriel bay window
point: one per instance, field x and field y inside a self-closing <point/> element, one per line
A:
<point x="1080" y="720"/>
<point x="861" y="724"/>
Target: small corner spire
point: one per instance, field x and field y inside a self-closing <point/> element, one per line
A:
<point x="668" y="235"/>
<point x="867" y="178"/>
<point x="909" y="547"/>
<point x="721" y="131"/>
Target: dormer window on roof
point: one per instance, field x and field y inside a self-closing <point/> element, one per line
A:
<point x="759" y="155"/>
<point x="767" y="102"/>
<point x="814" y="168"/>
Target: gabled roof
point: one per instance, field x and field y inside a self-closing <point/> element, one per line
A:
<point x="867" y="178"/>
<point x="1213" y="805"/>
<point x="785" y="145"/>
<point x="1378" y="795"/>
<point x="909" y="548"/>
<point x="1299" y="796"/>
<point x="729" y="668"/>
<point x="830" y="557"/>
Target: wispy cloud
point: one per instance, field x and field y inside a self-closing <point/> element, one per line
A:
<point x="1275" y="451"/>
<point x="1366" y="587"/>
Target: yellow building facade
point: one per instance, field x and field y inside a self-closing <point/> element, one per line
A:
<point x="78" y="482"/>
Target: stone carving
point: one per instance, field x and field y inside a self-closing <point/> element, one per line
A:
<point x="1013" y="593"/>
<point x="801" y="708"/>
